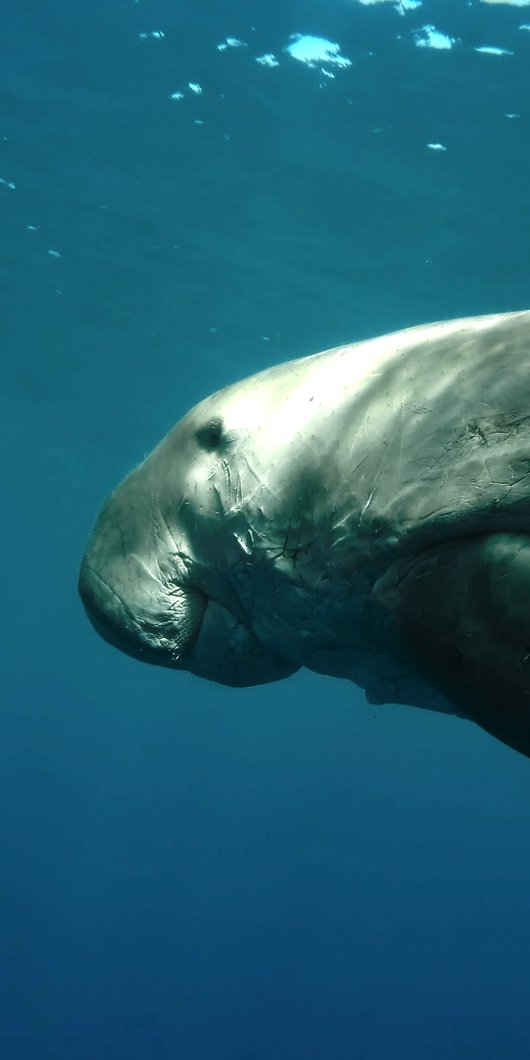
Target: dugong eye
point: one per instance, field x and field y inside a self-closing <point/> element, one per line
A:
<point x="210" y="435"/>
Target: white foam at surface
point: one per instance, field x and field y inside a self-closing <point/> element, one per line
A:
<point x="407" y="5"/>
<point x="430" y="37"/>
<point x="490" y="50"/>
<point x="193" y="86"/>
<point x="512" y="3"/>
<point x="154" y="34"/>
<point x="8" y="183"/>
<point x="267" y="60"/>
<point x="402" y="6"/>
<point x="230" y="42"/>
<point x="314" y="50"/>
<point x="437" y="147"/>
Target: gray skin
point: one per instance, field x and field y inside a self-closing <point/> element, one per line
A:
<point x="364" y="512"/>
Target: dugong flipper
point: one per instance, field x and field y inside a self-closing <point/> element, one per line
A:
<point x="463" y="614"/>
<point x="363" y="512"/>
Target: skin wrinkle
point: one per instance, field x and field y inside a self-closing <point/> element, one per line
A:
<point x="136" y="625"/>
<point x="175" y="591"/>
<point x="168" y="528"/>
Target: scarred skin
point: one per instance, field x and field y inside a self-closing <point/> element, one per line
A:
<point x="364" y="512"/>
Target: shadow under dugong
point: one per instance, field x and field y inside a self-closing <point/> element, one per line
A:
<point x="363" y="512"/>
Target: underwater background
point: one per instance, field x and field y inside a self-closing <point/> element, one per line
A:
<point x="189" y="192"/>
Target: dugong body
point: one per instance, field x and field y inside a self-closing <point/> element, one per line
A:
<point x="363" y="512"/>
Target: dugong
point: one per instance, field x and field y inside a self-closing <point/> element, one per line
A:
<point x="363" y="512"/>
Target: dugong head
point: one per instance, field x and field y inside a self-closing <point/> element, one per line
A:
<point x="156" y="579"/>
<point x="364" y="512"/>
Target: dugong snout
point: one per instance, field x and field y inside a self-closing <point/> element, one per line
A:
<point x="148" y="622"/>
<point x="136" y="594"/>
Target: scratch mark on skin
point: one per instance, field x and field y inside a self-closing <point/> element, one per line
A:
<point x="234" y="490"/>
<point x="228" y="476"/>
<point x="367" y="502"/>
<point x="408" y="406"/>
<point x="476" y="431"/>
<point x="236" y="503"/>
<point x="170" y="532"/>
<point x="358" y="466"/>
<point x="252" y="472"/>
<point x="293" y="545"/>
<point x="219" y="498"/>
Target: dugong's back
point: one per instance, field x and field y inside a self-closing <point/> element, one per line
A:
<point x="363" y="512"/>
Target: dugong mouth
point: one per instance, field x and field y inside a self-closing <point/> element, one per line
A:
<point x="159" y="631"/>
<point x="146" y="593"/>
<point x="181" y="628"/>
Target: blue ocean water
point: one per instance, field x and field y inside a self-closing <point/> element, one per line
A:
<point x="188" y="871"/>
